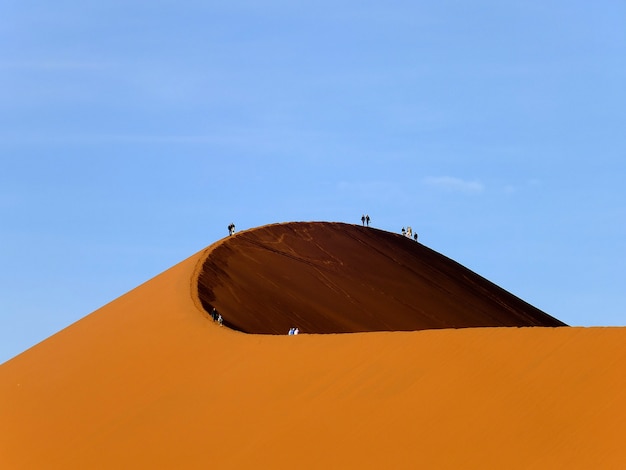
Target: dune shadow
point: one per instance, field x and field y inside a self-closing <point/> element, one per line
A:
<point x="329" y="277"/>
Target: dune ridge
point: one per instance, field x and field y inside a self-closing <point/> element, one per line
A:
<point x="341" y="278"/>
<point x="150" y="381"/>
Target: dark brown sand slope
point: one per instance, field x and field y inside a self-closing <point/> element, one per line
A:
<point x="339" y="278"/>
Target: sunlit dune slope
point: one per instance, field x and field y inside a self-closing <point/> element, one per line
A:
<point x="150" y="381"/>
<point x="340" y="278"/>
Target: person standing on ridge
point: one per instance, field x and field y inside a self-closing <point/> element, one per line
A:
<point x="363" y="220"/>
<point x="367" y="220"/>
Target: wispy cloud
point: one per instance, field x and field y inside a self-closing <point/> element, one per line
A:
<point x="450" y="183"/>
<point x="60" y="138"/>
<point x="53" y="65"/>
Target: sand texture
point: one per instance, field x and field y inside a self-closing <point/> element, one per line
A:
<point x="150" y="381"/>
<point x="340" y="278"/>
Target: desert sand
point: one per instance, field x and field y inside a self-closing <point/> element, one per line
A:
<point x="150" y="381"/>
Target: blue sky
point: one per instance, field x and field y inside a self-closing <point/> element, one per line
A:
<point x="132" y="133"/>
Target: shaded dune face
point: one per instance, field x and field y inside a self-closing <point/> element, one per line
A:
<point x="340" y="278"/>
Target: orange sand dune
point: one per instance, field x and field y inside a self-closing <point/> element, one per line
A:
<point x="149" y="381"/>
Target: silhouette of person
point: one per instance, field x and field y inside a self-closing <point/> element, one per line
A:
<point x="403" y="231"/>
<point x="214" y="314"/>
<point x="363" y="220"/>
<point x="231" y="229"/>
<point x="415" y="236"/>
<point x="367" y="220"/>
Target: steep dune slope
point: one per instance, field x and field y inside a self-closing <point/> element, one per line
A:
<point x="340" y="278"/>
<point x="149" y="381"/>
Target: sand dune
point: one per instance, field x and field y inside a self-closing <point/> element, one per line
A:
<point x="150" y="381"/>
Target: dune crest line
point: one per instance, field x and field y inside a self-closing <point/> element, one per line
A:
<point x="330" y="277"/>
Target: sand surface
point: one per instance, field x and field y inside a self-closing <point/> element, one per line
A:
<point x="150" y="381"/>
<point x="341" y="278"/>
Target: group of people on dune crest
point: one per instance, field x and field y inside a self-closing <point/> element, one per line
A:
<point x="408" y="232"/>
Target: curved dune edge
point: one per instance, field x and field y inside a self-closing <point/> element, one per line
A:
<point x="330" y="277"/>
<point x="148" y="382"/>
